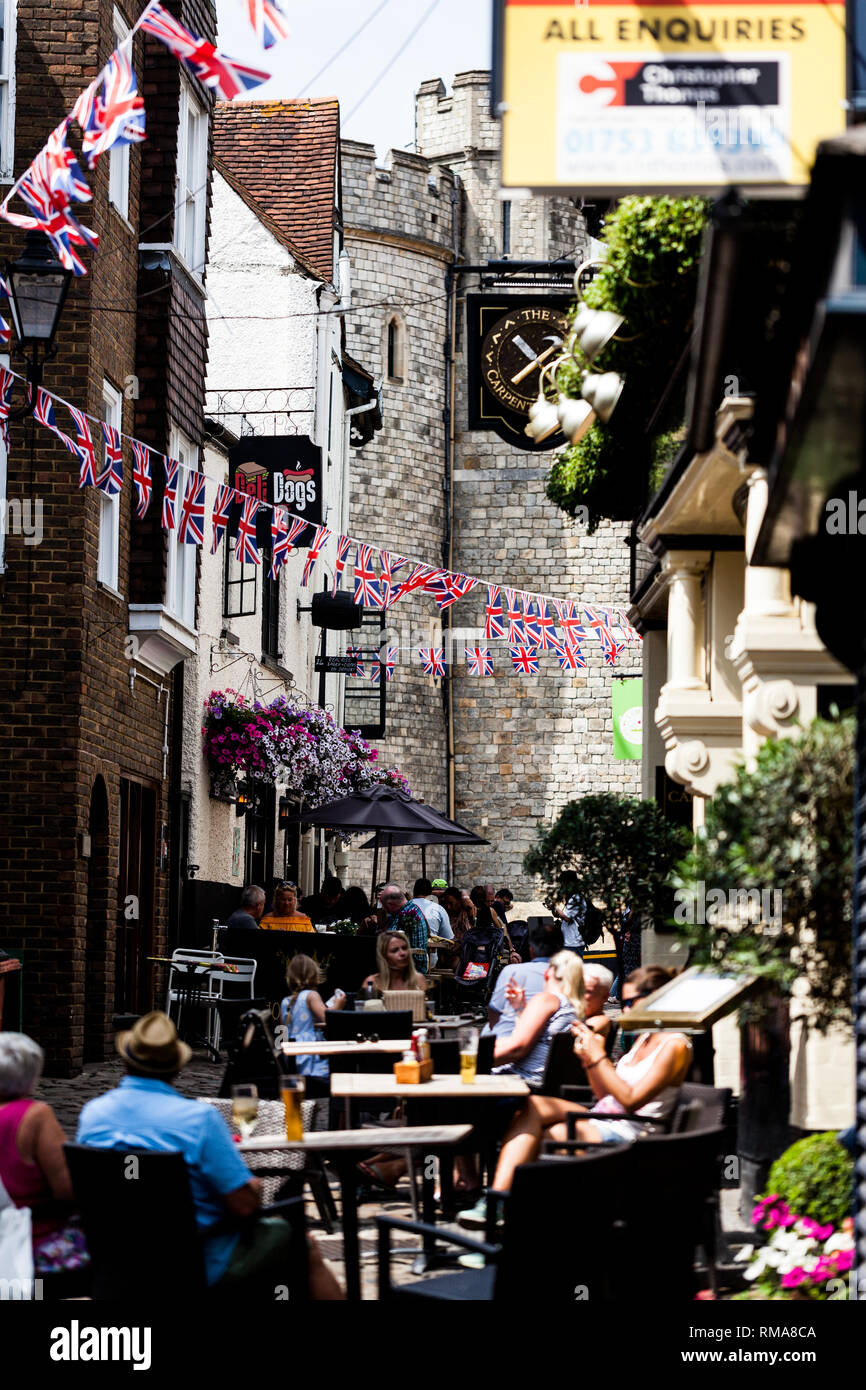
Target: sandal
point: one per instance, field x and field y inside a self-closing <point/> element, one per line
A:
<point x="370" y="1171"/>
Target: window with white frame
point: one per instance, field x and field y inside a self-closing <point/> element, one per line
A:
<point x="190" y="207"/>
<point x="8" y="19"/>
<point x="180" y="577"/>
<point x="118" y="159"/>
<point x="109" y="507"/>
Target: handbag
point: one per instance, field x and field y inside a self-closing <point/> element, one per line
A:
<point x="16" y="1240"/>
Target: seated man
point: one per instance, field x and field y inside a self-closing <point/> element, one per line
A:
<point x="284" y="915"/>
<point x="545" y="940"/>
<point x="325" y="907"/>
<point x="146" y="1112"/>
<point x="252" y="906"/>
<point x="401" y="915"/>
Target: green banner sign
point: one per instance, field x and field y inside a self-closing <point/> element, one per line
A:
<point x="627" y="696"/>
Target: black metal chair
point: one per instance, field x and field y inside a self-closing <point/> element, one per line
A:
<point x="139" y="1221"/>
<point x="563" y="1068"/>
<point x="560" y="1219"/>
<point x="344" y="1026"/>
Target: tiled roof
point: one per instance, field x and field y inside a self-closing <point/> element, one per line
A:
<point x="284" y="153"/>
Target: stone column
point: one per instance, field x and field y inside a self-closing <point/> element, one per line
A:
<point x="768" y="590"/>
<point x="686" y="623"/>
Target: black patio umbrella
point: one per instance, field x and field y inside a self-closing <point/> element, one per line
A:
<point x="386" y="839"/>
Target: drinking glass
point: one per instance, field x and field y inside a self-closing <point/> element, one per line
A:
<point x="292" y="1090"/>
<point x="467" y="1041"/>
<point x="245" y="1109"/>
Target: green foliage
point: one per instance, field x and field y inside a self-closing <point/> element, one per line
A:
<point x="612" y="849"/>
<point x="786" y="825"/>
<point x="650" y="276"/>
<point x="814" y="1177"/>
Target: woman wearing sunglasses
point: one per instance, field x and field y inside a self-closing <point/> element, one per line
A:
<point x="634" y="1097"/>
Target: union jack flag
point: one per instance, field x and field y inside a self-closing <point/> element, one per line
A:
<point x="110" y="480"/>
<point x="213" y="68"/>
<point x="531" y="625"/>
<point x="547" y="627"/>
<point x="493" y="622"/>
<point x="479" y="660"/>
<point x="367" y="589"/>
<point x="221" y="514"/>
<point x="569" y="621"/>
<point x="43" y="411"/>
<point x="283" y="537"/>
<point x="389" y="565"/>
<point x="343" y="543"/>
<point x="376" y="667"/>
<point x="358" y="656"/>
<point x="629" y="632"/>
<point x="419" y="578"/>
<point x="7" y="383"/>
<point x="525" y="660"/>
<point x="169" y="497"/>
<point x="321" y="536"/>
<point x="53" y="181"/>
<point x="141" y="476"/>
<point x="433" y="660"/>
<point x="245" y="545"/>
<point x="84" y="447"/>
<point x="571" y="658"/>
<point x="114" y="116"/>
<point x="600" y="624"/>
<point x="268" y="20"/>
<point x="447" y="588"/>
<point x="191" y="529"/>
<point x="5" y="329"/>
<point x="514" y="616"/>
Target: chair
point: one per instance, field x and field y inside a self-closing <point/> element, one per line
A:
<point x="276" y="1165"/>
<point x="550" y="1226"/>
<point x="396" y="1000"/>
<point x="239" y="986"/>
<point x="175" y="995"/>
<point x="563" y="1066"/>
<point x="341" y="1025"/>
<point x="194" y="989"/>
<point x="701" y="1107"/>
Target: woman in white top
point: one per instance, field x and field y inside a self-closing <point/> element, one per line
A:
<point x="636" y="1095"/>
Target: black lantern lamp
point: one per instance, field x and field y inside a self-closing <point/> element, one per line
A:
<point x="244" y="802"/>
<point x="38" y="286"/>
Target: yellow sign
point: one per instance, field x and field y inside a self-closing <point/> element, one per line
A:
<point x="605" y="98"/>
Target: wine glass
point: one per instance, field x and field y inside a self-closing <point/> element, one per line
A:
<point x="245" y="1109"/>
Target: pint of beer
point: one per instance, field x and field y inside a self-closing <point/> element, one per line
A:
<point x="467" y="1039"/>
<point x="292" y="1089"/>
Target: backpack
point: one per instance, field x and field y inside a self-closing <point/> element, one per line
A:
<point x="592" y="926"/>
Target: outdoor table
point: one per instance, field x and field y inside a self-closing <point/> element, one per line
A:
<point x="344" y="1049"/>
<point x="449" y="1023"/>
<point x="344" y="1145"/>
<point x="188" y="972"/>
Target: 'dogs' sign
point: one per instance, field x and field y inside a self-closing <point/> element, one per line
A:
<point x="606" y="98"/>
<point x="283" y="469"/>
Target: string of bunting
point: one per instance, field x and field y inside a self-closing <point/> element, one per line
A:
<point x="111" y="112"/>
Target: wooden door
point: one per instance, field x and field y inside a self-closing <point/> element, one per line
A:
<point x="135" y="896"/>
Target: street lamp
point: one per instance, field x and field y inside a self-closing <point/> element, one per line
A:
<point x="38" y="286"/>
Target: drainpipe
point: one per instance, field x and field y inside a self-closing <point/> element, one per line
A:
<point x="448" y="487"/>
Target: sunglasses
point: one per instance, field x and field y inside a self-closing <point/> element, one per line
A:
<point x="293" y="886"/>
<point x="627" y="1003"/>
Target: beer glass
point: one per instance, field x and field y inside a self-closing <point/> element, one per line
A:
<point x="467" y="1040"/>
<point x="245" y="1109"/>
<point x="292" y="1089"/>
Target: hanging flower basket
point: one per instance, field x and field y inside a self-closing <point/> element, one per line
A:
<point x="302" y="749"/>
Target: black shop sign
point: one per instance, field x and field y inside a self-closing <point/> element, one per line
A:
<point x="279" y="470"/>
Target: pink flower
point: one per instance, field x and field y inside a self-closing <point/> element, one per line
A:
<point x="794" y="1278"/>
<point x="844" y="1259"/>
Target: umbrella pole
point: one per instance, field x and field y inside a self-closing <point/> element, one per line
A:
<point x="388" y="870"/>
<point x="423" y="861"/>
<point x="375" y="874"/>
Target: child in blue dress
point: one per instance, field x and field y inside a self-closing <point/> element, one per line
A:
<point x="301" y="1010"/>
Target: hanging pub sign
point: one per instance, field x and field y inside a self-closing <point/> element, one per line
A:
<point x="510" y="339"/>
<point x="606" y="98"/>
<point x="282" y="470"/>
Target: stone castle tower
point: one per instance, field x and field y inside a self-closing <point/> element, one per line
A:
<point x="513" y="749"/>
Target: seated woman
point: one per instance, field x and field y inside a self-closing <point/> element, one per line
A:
<point x="633" y="1097"/>
<point x="396" y="967"/>
<point x="284" y="915"/>
<point x="32" y="1163"/>
<point x="300" y="1011"/>
<point x="355" y="905"/>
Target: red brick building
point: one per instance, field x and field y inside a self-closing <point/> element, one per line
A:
<point x="97" y="616"/>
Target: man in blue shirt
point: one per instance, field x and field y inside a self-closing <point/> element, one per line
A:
<point x="545" y="939"/>
<point x="401" y="915"/>
<point x="146" y="1112"/>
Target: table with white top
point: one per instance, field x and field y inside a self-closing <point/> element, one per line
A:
<point x="343" y="1147"/>
<point x="320" y="1048"/>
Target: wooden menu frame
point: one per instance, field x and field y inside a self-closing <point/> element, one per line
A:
<point x="713" y="994"/>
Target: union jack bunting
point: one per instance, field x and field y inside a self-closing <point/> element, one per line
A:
<point x="84" y="447"/>
<point x="5" y="328"/>
<point x="525" y="660"/>
<point x="546" y="625"/>
<point x="320" y="538"/>
<point x="110" y="480"/>
<point x="419" y="578"/>
<point x="494" y="625"/>
<point x="214" y="69"/>
<point x="447" y="588"/>
<point x="53" y="181"/>
<point x="432" y="660"/>
<point x="7" y="383"/>
<point x="569" y="621"/>
<point x="114" y="115"/>
<point x="343" y="543"/>
<point x="268" y="20"/>
<point x="358" y="656"/>
<point x="245" y="545"/>
<point x="367" y="589"/>
<point x="531" y="625"/>
<point x="376" y="667"/>
<point x="43" y="411"/>
<point x="479" y="661"/>
<point x="191" y="529"/>
<point x="221" y="514"/>
<point x="600" y="624"/>
<point x="629" y="632"/>
<point x="389" y="565"/>
<point x="141" y="476"/>
<point x="279" y="539"/>
<point x="169" y="497"/>
<point x="571" y="658"/>
<point x="514" y="616"/>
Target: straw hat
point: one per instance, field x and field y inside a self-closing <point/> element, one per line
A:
<point x="153" y="1047"/>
